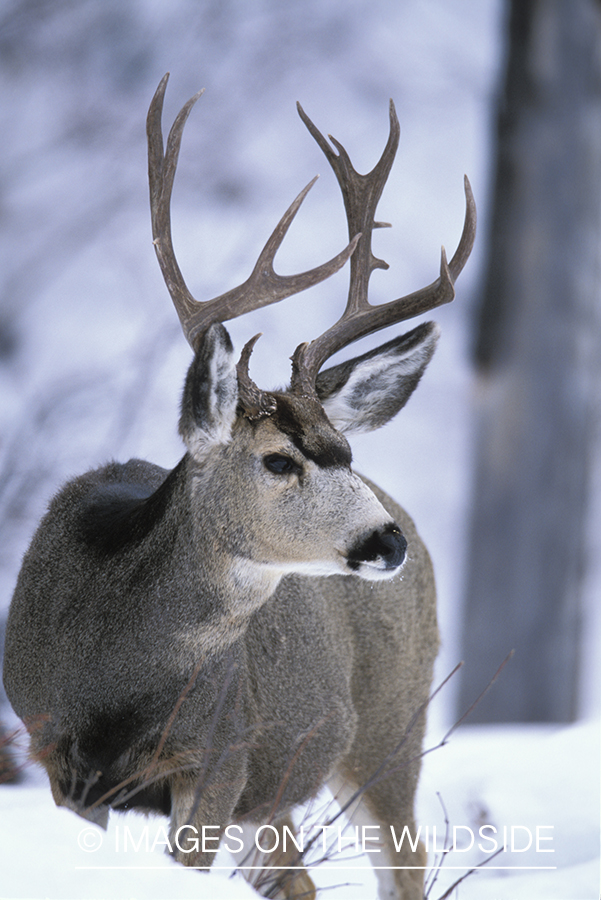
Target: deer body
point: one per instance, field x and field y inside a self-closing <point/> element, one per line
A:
<point x="216" y="642"/>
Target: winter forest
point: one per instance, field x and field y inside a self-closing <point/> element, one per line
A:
<point x="497" y="455"/>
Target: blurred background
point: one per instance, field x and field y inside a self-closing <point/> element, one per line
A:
<point x="92" y="356"/>
<point x="498" y="454"/>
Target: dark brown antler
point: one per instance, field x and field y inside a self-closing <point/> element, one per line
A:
<point x="361" y="194"/>
<point x="264" y="285"/>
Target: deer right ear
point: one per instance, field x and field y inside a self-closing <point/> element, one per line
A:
<point x="210" y="393"/>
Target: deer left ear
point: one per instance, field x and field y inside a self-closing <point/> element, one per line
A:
<point x="210" y="394"/>
<point x="366" y="392"/>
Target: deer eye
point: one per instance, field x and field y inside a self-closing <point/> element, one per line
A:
<point x="280" y="464"/>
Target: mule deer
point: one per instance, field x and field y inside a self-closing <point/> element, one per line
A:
<point x="217" y="642"/>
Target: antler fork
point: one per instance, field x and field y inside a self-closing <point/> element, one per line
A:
<point x="361" y="194"/>
<point x="263" y="287"/>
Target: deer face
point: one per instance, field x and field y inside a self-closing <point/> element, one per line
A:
<point x="286" y="510"/>
<point x="278" y="485"/>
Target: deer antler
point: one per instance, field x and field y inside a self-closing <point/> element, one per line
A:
<point x="263" y="287"/>
<point x="361" y="194"/>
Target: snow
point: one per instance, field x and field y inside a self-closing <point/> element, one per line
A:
<point x="535" y="785"/>
<point x="97" y="363"/>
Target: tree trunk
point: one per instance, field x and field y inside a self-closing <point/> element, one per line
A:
<point x="538" y="349"/>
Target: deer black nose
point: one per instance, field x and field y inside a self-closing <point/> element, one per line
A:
<point x="386" y="544"/>
<point x="394" y="546"/>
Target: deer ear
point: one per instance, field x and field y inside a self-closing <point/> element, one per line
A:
<point x="366" y="392"/>
<point x="210" y="393"/>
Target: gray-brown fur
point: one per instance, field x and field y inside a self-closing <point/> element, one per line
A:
<point x="123" y="614"/>
<point x="217" y="642"/>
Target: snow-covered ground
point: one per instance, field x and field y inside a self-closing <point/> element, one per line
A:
<point x="97" y="361"/>
<point x="531" y="791"/>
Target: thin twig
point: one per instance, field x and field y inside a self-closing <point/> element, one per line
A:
<point x="435" y="872"/>
<point x="471" y="708"/>
<point x="467" y="874"/>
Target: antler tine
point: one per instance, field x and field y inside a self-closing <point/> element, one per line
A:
<point x="161" y="174"/>
<point x="361" y="194"/>
<point x="263" y="287"/>
<point x="468" y="235"/>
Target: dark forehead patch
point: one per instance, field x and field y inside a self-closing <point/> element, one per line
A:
<point x="307" y="426"/>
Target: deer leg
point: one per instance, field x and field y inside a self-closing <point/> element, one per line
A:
<point x="399" y="873"/>
<point x="271" y="861"/>
<point x="200" y="811"/>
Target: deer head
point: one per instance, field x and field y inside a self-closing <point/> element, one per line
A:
<point x="302" y="429"/>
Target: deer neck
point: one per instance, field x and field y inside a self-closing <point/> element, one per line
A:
<point x="238" y="592"/>
<point x="230" y="588"/>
